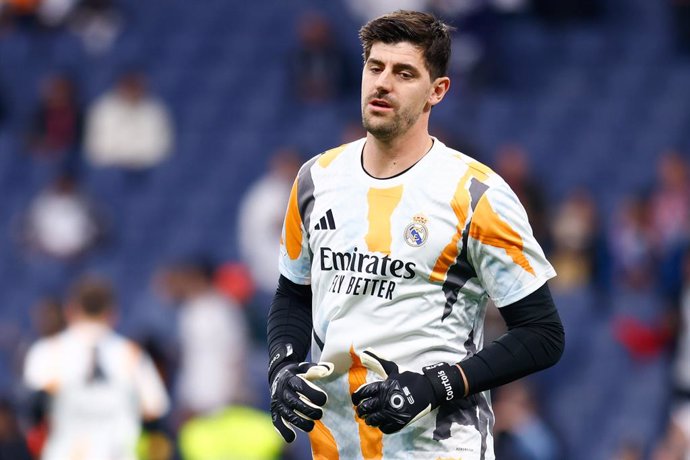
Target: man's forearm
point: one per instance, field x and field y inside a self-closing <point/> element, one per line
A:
<point x="535" y="340"/>
<point x="289" y="325"/>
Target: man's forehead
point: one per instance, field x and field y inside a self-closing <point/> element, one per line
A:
<point x="397" y="53"/>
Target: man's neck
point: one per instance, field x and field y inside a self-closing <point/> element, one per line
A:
<point x="384" y="158"/>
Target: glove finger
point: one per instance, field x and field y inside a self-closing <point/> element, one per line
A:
<point x="389" y="428"/>
<point x="295" y="403"/>
<point x="376" y="419"/>
<point x="368" y="407"/>
<point x="295" y="419"/>
<point x="311" y="371"/>
<point x="378" y="365"/>
<point x="307" y="389"/>
<point x="282" y="427"/>
<point x="368" y="390"/>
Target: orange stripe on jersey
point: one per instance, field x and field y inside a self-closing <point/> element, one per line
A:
<point x="488" y="228"/>
<point x="370" y="438"/>
<point x="460" y="205"/>
<point x="293" y="226"/>
<point x="382" y="203"/>
<point x="330" y="155"/>
<point x="323" y="446"/>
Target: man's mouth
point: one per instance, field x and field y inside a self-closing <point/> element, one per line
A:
<point x="380" y="104"/>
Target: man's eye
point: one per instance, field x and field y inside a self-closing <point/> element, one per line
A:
<point x="406" y="75"/>
<point x="375" y="69"/>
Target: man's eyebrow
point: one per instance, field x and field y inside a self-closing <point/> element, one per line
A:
<point x="398" y="66"/>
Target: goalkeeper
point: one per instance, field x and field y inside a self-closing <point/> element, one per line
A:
<point x="392" y="247"/>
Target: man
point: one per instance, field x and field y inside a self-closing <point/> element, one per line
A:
<point x="392" y="247"/>
<point x="213" y="339"/>
<point x="101" y="386"/>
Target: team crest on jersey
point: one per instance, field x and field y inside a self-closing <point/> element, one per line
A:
<point x="416" y="232"/>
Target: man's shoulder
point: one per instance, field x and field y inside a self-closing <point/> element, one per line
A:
<point x="464" y="164"/>
<point x="328" y="157"/>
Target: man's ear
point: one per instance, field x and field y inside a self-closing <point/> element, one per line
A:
<point x="439" y="88"/>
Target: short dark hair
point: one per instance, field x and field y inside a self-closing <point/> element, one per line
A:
<point x="421" y="29"/>
<point x="93" y="296"/>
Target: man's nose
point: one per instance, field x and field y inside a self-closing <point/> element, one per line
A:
<point x="383" y="82"/>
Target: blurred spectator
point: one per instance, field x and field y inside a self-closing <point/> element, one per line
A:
<point x="62" y="222"/>
<point x="680" y="11"/>
<point x="58" y="122"/>
<point x="13" y="446"/>
<point x="671" y="202"/>
<point x="512" y="163"/>
<point x="213" y="340"/>
<point x="520" y="432"/>
<point x="320" y="70"/>
<point x="100" y="385"/>
<point x="97" y="23"/>
<point x="127" y="127"/>
<point x="260" y="219"/>
<point x="577" y="241"/>
<point x="632" y="244"/>
<point x="55" y="13"/>
<point x="364" y="10"/>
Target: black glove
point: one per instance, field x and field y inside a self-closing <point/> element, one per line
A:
<point x="295" y="401"/>
<point x="404" y="397"/>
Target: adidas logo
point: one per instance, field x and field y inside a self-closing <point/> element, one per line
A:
<point x="326" y="222"/>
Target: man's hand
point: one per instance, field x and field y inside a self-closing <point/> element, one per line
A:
<point x="295" y="401"/>
<point x="403" y="397"/>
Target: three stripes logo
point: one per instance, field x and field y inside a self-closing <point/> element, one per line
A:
<point x="326" y="222"/>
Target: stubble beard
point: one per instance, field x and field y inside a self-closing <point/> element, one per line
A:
<point x="384" y="129"/>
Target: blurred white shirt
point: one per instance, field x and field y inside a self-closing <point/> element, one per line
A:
<point x="120" y="133"/>
<point x="213" y="337"/>
<point x="102" y="386"/>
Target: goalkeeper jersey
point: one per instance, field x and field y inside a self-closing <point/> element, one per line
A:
<point x="406" y="266"/>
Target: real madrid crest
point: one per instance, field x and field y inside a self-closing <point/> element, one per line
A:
<point x="416" y="232"/>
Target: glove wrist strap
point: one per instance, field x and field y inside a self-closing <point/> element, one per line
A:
<point x="446" y="380"/>
<point x="281" y="356"/>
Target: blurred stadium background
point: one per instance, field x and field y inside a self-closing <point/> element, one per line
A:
<point x="592" y="95"/>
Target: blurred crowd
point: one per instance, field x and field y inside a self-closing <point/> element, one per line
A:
<point x="199" y="392"/>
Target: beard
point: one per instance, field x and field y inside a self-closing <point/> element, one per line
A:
<point x="385" y="128"/>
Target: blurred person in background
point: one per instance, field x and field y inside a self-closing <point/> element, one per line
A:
<point x="62" y="222"/>
<point x="213" y="340"/>
<point x="127" y="127"/>
<point x="632" y="244"/>
<point x="13" y="446"/>
<point x="578" y="242"/>
<point x="512" y="163"/>
<point x="260" y="220"/>
<point x="98" y="24"/>
<point x="320" y="69"/>
<point x="95" y="387"/>
<point x="521" y="433"/>
<point x="670" y="202"/>
<point x="364" y="10"/>
<point x="56" y="130"/>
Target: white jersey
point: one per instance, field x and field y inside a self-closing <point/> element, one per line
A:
<point x="406" y="266"/>
<point x="101" y="386"/>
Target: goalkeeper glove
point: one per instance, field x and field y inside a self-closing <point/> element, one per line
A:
<point x="295" y="401"/>
<point x="404" y="397"/>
